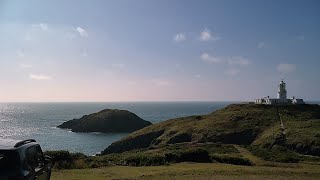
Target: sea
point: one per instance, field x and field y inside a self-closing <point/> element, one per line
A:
<point x="39" y="121"/>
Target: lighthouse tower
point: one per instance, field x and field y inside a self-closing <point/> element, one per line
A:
<point x="282" y="92"/>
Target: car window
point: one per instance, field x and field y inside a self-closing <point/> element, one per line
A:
<point x="9" y="160"/>
<point x="34" y="157"/>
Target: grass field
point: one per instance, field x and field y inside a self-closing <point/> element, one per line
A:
<point x="194" y="171"/>
<point x="237" y="134"/>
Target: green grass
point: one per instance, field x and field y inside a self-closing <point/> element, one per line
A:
<point x="242" y="124"/>
<point x="276" y="154"/>
<point x="193" y="171"/>
<point x="173" y="153"/>
<point x="236" y="135"/>
<point x="183" y="152"/>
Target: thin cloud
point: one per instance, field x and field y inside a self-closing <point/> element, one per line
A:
<point x="25" y="66"/>
<point x="27" y="37"/>
<point x="238" y="60"/>
<point x="178" y="66"/>
<point x="118" y="65"/>
<point x="206" y="35"/>
<point x="84" y="53"/>
<point x="180" y="37"/>
<point x="42" y="26"/>
<point x="286" y="68"/>
<point x="82" y="32"/>
<point x="232" y="71"/>
<point x="232" y="61"/>
<point x="39" y="77"/>
<point x="20" y="54"/>
<point x="70" y="35"/>
<point x="235" y="63"/>
<point x="132" y="83"/>
<point x="160" y="82"/>
<point x="210" y="59"/>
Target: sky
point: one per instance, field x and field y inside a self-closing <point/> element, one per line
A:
<point x="158" y="50"/>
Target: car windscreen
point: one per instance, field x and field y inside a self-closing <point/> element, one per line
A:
<point x="9" y="161"/>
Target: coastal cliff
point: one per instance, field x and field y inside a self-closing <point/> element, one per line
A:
<point x="242" y="124"/>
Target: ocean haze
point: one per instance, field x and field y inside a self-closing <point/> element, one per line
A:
<point x="39" y="121"/>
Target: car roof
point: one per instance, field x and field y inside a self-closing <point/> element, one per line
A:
<point x="12" y="143"/>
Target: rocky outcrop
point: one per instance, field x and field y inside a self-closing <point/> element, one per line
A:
<point x="107" y="121"/>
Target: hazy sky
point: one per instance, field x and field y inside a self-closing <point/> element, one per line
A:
<point x="151" y="50"/>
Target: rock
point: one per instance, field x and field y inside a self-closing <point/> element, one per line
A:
<point x="107" y="121"/>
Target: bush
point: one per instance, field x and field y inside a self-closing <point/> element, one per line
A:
<point x="277" y="154"/>
<point x="157" y="158"/>
<point x="80" y="164"/>
<point x="190" y="155"/>
<point x="60" y="155"/>
<point x="142" y="159"/>
<point x="63" y="165"/>
<point x="231" y="159"/>
<point x="94" y="165"/>
<point x="65" y="160"/>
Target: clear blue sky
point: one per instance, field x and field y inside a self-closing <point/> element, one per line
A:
<point x="158" y="50"/>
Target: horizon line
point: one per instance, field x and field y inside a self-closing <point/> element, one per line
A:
<point x="122" y="101"/>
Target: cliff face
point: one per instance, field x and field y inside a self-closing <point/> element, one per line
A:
<point x="245" y="124"/>
<point x="107" y="121"/>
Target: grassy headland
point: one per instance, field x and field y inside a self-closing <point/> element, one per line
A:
<point x="240" y="134"/>
<point x="242" y="124"/>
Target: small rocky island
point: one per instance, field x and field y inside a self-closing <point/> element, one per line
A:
<point x="107" y="121"/>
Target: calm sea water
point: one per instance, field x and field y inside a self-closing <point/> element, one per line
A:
<point x="39" y="121"/>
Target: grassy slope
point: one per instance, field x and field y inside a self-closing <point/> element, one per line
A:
<point x="302" y="128"/>
<point x="235" y="124"/>
<point x="193" y="171"/>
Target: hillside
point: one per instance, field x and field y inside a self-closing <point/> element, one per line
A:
<point x="107" y="121"/>
<point x="243" y="124"/>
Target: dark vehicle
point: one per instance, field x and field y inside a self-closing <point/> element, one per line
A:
<point x="23" y="160"/>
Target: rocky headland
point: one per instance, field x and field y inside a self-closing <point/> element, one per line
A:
<point x="240" y="124"/>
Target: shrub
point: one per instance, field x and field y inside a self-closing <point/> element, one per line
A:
<point x="277" y="154"/>
<point x="142" y="159"/>
<point x="94" y="165"/>
<point x="80" y="164"/>
<point x="162" y="157"/>
<point x="65" y="160"/>
<point x="231" y="159"/>
<point x="60" y="155"/>
<point x="190" y="155"/>
<point x="63" y="165"/>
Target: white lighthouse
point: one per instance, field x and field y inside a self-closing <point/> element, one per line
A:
<point x="282" y="92"/>
<point x="281" y="97"/>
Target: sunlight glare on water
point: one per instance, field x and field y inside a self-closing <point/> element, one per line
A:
<point x="39" y="121"/>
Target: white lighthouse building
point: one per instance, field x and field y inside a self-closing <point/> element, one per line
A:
<point x="281" y="97"/>
<point x="282" y="93"/>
